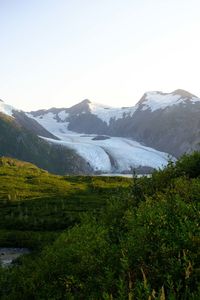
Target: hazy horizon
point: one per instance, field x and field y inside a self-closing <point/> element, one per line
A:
<point x="58" y="53"/>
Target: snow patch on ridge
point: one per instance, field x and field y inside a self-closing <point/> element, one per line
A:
<point x="157" y="100"/>
<point x="51" y="124"/>
<point x="195" y="100"/>
<point x="63" y="115"/>
<point x="106" y="113"/>
<point x="103" y="112"/>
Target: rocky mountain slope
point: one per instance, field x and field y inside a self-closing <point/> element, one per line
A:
<point x="167" y="122"/>
<point x="19" y="142"/>
<point x="22" y="119"/>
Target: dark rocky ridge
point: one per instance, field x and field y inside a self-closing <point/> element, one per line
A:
<point x="32" y="125"/>
<point x="17" y="141"/>
<point x="175" y="130"/>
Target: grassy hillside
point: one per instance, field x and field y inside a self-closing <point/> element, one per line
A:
<point x="32" y="199"/>
<point x="123" y="239"/>
<point x="18" y="142"/>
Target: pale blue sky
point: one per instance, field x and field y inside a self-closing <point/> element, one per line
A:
<point x="59" y="52"/>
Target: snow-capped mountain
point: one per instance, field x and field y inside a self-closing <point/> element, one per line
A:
<point x="168" y="122"/>
<point x="84" y="117"/>
<point x="152" y="101"/>
<point x="103" y="112"/>
<point x="92" y="130"/>
<point x="98" y="153"/>
<point x="157" y="100"/>
<point x="112" y="139"/>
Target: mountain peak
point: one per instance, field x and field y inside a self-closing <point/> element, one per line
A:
<point x="158" y="100"/>
<point x="86" y="101"/>
<point x="183" y="94"/>
<point x="81" y="107"/>
<point x="83" y="103"/>
<point x="88" y="106"/>
<point x="178" y="92"/>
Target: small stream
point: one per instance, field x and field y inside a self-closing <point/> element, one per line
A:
<point x="8" y="255"/>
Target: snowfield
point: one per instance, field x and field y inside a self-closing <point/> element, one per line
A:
<point x="49" y="122"/>
<point x="157" y="100"/>
<point x="106" y="113"/>
<point x="114" y="154"/>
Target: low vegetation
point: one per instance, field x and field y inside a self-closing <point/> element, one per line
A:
<point x="102" y="238"/>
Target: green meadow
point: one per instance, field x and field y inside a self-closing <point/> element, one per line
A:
<point x="35" y="204"/>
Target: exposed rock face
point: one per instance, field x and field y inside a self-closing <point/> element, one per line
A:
<point x="175" y="130"/>
<point x="169" y="122"/>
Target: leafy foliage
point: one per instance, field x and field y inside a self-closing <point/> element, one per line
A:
<point x="141" y="244"/>
<point x="32" y="199"/>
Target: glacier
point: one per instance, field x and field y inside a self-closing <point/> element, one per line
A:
<point x="114" y="154"/>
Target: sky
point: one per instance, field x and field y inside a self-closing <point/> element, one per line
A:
<point x="55" y="53"/>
